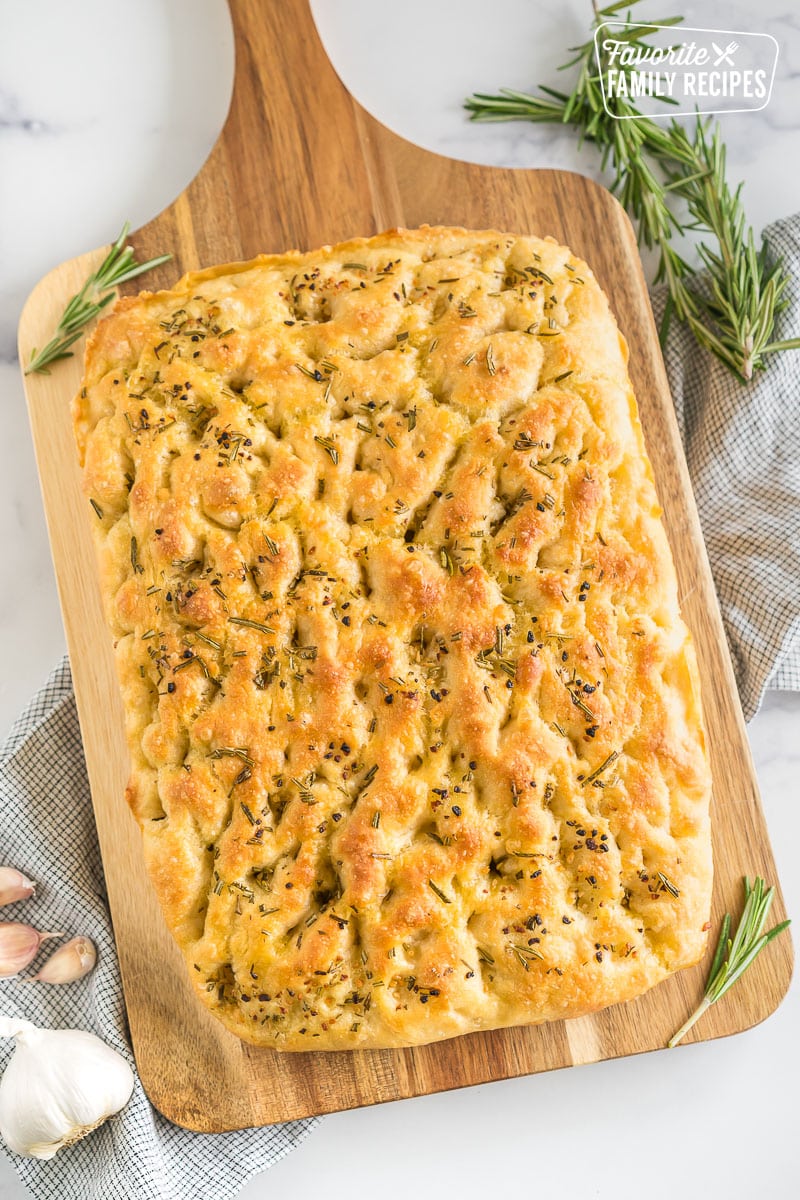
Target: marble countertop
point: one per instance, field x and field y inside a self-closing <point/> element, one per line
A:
<point x="80" y="153"/>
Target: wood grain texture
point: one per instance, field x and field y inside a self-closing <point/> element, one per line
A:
<point x="300" y="164"/>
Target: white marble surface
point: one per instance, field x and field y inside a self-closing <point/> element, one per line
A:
<point x="90" y="136"/>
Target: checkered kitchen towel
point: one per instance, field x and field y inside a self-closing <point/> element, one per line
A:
<point x="47" y="831"/>
<point x="742" y="446"/>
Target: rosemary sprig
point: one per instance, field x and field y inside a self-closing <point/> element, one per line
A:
<point x="735" y="315"/>
<point x="733" y="957"/>
<point x="117" y="267"/>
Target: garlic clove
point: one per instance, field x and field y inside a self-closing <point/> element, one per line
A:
<point x="14" y="886"/>
<point x="71" y="961"/>
<point x="19" y="945"/>
<point x="59" y="1085"/>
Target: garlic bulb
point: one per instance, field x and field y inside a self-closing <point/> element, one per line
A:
<point x="14" y="885"/>
<point x="60" y="1085"/>
<point x="19" y="945"/>
<point x="71" y="961"/>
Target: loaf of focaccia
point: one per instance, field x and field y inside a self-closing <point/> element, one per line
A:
<point x="414" y="721"/>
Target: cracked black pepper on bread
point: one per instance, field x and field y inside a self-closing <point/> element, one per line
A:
<point x="414" y="720"/>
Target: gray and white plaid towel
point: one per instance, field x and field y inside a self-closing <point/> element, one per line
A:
<point x="47" y="830"/>
<point x="741" y="445"/>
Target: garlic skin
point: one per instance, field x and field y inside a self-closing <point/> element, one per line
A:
<point x="19" y="945"/>
<point x="14" y="886"/>
<point x="60" y="1085"/>
<point x="71" y="961"/>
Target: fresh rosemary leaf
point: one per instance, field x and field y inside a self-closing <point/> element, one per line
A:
<point x="734" y="316"/>
<point x="117" y="267"/>
<point x="733" y="956"/>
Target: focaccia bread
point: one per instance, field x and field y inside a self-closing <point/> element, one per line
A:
<point x="414" y="720"/>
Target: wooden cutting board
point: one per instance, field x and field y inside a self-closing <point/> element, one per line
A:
<point x="299" y="163"/>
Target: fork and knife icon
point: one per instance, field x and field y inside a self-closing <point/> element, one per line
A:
<point x="725" y="56"/>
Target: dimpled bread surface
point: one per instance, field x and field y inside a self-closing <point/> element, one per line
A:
<point x="414" y="721"/>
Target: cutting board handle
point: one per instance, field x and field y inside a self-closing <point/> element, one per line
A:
<point x="292" y="164"/>
<point x="299" y="164"/>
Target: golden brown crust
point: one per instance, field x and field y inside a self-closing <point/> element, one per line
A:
<point x="413" y="717"/>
